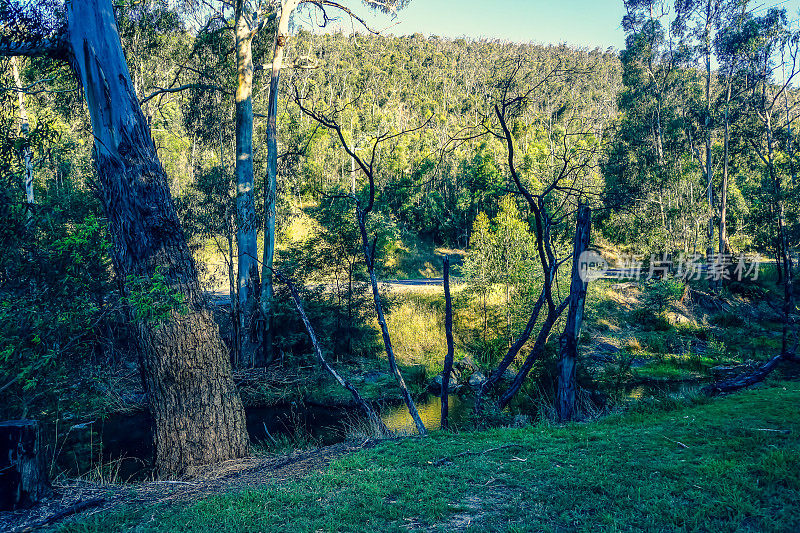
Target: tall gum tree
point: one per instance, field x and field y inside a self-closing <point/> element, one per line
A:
<point x="24" y="128"/>
<point x="198" y="415"/>
<point x="252" y="296"/>
<point x="284" y="15"/>
<point x="247" y="24"/>
<point x="271" y="184"/>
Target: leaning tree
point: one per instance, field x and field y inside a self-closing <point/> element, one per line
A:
<point x="330" y="117"/>
<point x="198" y="414"/>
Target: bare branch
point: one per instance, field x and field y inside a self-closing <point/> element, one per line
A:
<point x="322" y="4"/>
<point x="160" y="91"/>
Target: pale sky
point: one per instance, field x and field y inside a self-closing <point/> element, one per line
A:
<point x="584" y="23"/>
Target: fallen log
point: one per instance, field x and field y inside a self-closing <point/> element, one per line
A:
<point x="747" y="379"/>
<point x="69" y="511"/>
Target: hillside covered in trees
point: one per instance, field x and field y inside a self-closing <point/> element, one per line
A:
<point x="262" y="234"/>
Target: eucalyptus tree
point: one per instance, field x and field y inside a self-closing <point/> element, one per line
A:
<point x="248" y="21"/>
<point x="648" y="171"/>
<point x="253" y="298"/>
<point x="197" y="412"/>
<point x="650" y="74"/>
<point x="24" y="128"/>
<point x="771" y="46"/>
<point x="700" y="19"/>
<point x="729" y="53"/>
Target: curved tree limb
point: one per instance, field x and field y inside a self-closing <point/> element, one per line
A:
<point x="160" y="91"/>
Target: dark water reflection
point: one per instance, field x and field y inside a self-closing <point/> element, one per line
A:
<point x="127" y="439"/>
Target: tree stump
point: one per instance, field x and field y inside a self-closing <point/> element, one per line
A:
<point x="23" y="478"/>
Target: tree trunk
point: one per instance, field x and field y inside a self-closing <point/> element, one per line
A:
<point x="24" y="128"/>
<point x="369" y="258"/>
<point x="23" y="477"/>
<point x="448" y="331"/>
<point x="197" y="412"/>
<point x="235" y="337"/>
<point x="784" y="263"/>
<point x="709" y="166"/>
<point x="538" y="348"/>
<point x="723" y="202"/>
<point x="512" y="352"/>
<point x="247" y="245"/>
<point x="271" y="188"/>
<point x="565" y="399"/>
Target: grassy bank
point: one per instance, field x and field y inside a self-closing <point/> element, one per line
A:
<point x="731" y="464"/>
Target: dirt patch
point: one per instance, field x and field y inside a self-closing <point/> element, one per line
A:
<point x="474" y="510"/>
<point x="226" y="477"/>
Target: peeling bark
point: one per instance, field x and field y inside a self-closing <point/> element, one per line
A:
<point x="198" y="415"/>
<point x="248" y="282"/>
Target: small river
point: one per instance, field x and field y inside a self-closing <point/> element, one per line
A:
<point x="127" y="439"/>
<point x="124" y="441"/>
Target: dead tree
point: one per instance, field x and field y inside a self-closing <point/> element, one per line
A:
<point x="565" y="398"/>
<point x="198" y="415"/>
<point x="23" y="475"/>
<point x="552" y="205"/>
<point x="448" y="331"/>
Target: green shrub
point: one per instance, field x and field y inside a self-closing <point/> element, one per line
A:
<point x="651" y="320"/>
<point x="660" y="294"/>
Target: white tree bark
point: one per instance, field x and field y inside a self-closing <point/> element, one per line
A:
<point x="24" y="128"/>
<point x="246" y="238"/>
<point x="270" y="194"/>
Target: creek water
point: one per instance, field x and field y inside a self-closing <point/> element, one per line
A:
<point x="656" y="389"/>
<point x="124" y="441"/>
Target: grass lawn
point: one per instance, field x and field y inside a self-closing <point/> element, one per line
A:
<point x="731" y="464"/>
